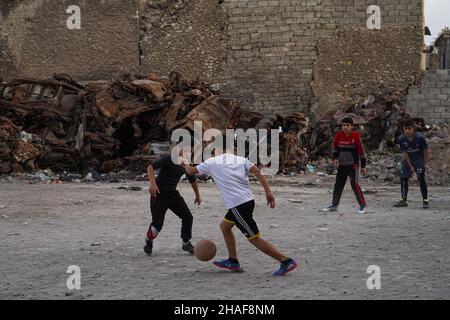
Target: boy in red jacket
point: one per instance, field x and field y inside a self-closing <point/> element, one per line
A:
<point x="348" y="152"/>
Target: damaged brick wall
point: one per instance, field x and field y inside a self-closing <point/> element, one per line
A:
<point x="273" y="47"/>
<point x="264" y="53"/>
<point x="35" y="40"/>
<point x="358" y="62"/>
<point x="183" y="35"/>
<point x="431" y="98"/>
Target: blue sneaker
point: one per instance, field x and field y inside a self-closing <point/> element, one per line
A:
<point x="362" y="210"/>
<point x="285" y="267"/>
<point x="227" y="264"/>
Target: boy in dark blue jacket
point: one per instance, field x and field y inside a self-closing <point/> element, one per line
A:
<point x="415" y="160"/>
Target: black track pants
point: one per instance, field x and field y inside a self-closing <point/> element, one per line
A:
<point x="341" y="178"/>
<point x="159" y="206"/>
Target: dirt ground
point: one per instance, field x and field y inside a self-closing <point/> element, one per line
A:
<point x="44" y="228"/>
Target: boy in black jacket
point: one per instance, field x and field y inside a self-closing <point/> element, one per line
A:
<point x="164" y="196"/>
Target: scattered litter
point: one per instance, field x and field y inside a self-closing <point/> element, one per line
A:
<point x="311" y="185"/>
<point x="88" y="177"/>
<point x="130" y="188"/>
<point x="369" y="191"/>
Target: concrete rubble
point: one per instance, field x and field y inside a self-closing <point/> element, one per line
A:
<point x="306" y="144"/>
<point x="65" y="126"/>
<point x="110" y="130"/>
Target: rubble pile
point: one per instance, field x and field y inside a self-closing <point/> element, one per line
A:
<point x="306" y="144"/>
<point x="385" y="166"/>
<point x="116" y="127"/>
<point x="439" y="143"/>
<point x="293" y="150"/>
<point x="62" y="125"/>
<point x="376" y="118"/>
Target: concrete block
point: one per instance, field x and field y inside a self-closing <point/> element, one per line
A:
<point x="413" y="91"/>
<point x="442" y="72"/>
<point x="434" y="116"/>
<point x="434" y="91"/>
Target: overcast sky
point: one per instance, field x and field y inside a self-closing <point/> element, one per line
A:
<point x="437" y="16"/>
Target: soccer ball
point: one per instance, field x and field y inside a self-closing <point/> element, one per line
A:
<point x="205" y="250"/>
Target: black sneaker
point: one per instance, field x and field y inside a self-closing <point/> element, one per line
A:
<point x="188" y="247"/>
<point x="426" y="204"/>
<point x="148" y="247"/>
<point x="329" y="208"/>
<point x="401" y="204"/>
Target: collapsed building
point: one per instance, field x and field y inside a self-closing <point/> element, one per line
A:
<point x="273" y="56"/>
<point x="299" y="65"/>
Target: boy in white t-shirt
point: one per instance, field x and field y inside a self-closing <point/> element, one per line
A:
<point x="230" y="174"/>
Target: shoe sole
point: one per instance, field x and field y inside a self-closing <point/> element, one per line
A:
<point x="190" y="252"/>
<point x="287" y="271"/>
<point x="233" y="270"/>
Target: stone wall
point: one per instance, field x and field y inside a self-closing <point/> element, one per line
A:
<point x="431" y="99"/>
<point x="183" y="35"/>
<point x="35" y="40"/>
<point x="272" y="55"/>
<point x="273" y="47"/>
<point x="357" y="62"/>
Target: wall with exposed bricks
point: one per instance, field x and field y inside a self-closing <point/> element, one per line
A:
<point x="272" y="55"/>
<point x="273" y="46"/>
<point x="35" y="40"/>
<point x="431" y="99"/>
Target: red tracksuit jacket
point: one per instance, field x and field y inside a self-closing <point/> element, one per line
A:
<point x="349" y="149"/>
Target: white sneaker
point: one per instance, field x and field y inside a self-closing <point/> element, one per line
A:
<point x="329" y="208"/>
<point x="362" y="210"/>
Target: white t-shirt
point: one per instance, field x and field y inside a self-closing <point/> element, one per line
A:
<point x="230" y="174"/>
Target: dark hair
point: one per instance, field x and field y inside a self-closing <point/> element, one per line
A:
<point x="408" y="123"/>
<point x="347" y="120"/>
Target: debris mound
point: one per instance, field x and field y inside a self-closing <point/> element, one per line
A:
<point x="63" y="125"/>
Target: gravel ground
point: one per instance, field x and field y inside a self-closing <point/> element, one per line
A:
<point x="44" y="228"/>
